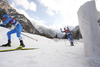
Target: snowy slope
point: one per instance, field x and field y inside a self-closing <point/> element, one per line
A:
<point x="51" y="52"/>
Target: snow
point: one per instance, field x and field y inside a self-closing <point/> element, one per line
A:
<point x="50" y="52"/>
<point x="90" y="29"/>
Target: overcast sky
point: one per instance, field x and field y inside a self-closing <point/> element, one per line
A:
<point x="50" y="13"/>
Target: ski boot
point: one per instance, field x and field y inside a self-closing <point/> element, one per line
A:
<point x="21" y="45"/>
<point x="71" y="43"/>
<point x="8" y="44"/>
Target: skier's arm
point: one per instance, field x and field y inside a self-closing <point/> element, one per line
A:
<point x="62" y="31"/>
<point x="6" y="21"/>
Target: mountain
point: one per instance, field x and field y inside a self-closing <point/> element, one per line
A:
<point x="5" y="8"/>
<point x="76" y="33"/>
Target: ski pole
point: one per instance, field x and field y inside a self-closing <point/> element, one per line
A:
<point x="75" y="41"/>
<point x="21" y="33"/>
<point x="64" y="41"/>
<point x="29" y="37"/>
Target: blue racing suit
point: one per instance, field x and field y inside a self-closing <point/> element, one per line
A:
<point x="68" y="35"/>
<point x="17" y="29"/>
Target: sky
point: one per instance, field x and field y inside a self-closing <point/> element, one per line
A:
<point x="50" y="13"/>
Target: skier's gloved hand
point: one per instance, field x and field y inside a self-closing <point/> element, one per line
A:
<point x="2" y="25"/>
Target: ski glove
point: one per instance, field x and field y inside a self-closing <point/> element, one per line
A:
<point x="60" y="29"/>
<point x="2" y="25"/>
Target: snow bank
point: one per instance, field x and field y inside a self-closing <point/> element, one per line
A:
<point x="89" y="27"/>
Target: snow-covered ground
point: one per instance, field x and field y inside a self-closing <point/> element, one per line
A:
<point x="50" y="52"/>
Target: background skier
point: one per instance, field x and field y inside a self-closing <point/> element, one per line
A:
<point x="68" y="33"/>
<point x="17" y="30"/>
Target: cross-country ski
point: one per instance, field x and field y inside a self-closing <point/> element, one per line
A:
<point x="8" y="50"/>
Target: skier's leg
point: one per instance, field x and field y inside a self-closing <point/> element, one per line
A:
<point x="10" y="32"/>
<point x="70" y="39"/>
<point x="9" y="37"/>
<point x="20" y="38"/>
<point x="18" y="33"/>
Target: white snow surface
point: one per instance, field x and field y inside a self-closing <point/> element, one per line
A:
<point x="50" y="52"/>
<point x="90" y="28"/>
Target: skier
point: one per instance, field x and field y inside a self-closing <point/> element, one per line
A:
<point x="68" y="33"/>
<point x="17" y="30"/>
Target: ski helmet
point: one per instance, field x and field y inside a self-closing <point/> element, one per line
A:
<point x="5" y="16"/>
<point x="64" y="28"/>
